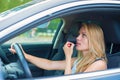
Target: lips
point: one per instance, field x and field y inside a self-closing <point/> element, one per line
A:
<point x="77" y="44"/>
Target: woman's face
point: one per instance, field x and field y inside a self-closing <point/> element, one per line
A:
<point x="82" y="40"/>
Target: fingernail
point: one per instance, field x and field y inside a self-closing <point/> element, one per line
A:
<point x="69" y="45"/>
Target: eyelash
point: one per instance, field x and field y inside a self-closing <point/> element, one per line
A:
<point x="83" y="35"/>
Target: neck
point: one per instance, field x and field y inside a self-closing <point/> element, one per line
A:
<point x="85" y="52"/>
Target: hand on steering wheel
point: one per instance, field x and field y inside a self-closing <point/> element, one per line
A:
<point x="16" y="48"/>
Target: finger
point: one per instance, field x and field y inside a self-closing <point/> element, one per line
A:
<point x="72" y="45"/>
<point x="12" y="50"/>
<point x="12" y="45"/>
<point x="69" y="45"/>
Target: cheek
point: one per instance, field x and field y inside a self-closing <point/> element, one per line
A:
<point x="86" y="46"/>
<point x="86" y="43"/>
<point x="83" y="46"/>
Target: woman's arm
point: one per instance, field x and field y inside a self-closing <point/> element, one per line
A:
<point x="45" y="63"/>
<point x="69" y="64"/>
<point x="42" y="62"/>
<point x="68" y="50"/>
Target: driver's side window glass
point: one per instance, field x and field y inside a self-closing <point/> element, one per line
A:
<point x="43" y="33"/>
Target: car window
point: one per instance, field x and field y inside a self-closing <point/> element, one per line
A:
<point x="43" y="33"/>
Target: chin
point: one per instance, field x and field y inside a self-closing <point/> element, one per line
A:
<point x="79" y="49"/>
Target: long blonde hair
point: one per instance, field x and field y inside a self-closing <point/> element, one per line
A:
<point x="96" y="46"/>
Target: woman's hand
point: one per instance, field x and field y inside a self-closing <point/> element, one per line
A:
<point x="68" y="49"/>
<point x="12" y="50"/>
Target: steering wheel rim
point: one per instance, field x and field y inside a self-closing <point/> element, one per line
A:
<point x="23" y="61"/>
<point x="2" y="77"/>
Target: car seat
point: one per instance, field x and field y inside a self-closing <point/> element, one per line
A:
<point x="113" y="60"/>
<point x="113" y="56"/>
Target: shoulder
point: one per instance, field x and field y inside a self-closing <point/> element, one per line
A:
<point x="97" y="65"/>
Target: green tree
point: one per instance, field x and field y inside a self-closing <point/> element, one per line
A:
<point x="9" y="4"/>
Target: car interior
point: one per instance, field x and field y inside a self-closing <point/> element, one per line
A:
<point x="109" y="21"/>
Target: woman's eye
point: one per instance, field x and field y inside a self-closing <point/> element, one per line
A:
<point x="83" y="35"/>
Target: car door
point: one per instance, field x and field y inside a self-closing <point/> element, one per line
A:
<point x="86" y="9"/>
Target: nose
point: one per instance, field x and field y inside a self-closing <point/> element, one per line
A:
<point x="78" y="37"/>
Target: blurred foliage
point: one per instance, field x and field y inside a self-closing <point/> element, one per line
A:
<point x="44" y="29"/>
<point x="54" y="23"/>
<point x="9" y="4"/>
<point x="51" y="25"/>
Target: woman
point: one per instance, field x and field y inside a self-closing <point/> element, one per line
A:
<point x="91" y="53"/>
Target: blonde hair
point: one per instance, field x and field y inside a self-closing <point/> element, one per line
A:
<point x="96" y="46"/>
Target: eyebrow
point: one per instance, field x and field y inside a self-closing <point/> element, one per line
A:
<point x="82" y="32"/>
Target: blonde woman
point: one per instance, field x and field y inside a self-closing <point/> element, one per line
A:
<point x="91" y="53"/>
<point x="91" y="50"/>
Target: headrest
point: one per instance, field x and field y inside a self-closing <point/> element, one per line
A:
<point x="73" y="32"/>
<point x="112" y="32"/>
<point x="111" y="29"/>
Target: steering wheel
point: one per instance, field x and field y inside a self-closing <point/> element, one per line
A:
<point x="22" y="60"/>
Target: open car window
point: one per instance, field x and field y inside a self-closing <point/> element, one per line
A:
<point x="43" y="33"/>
